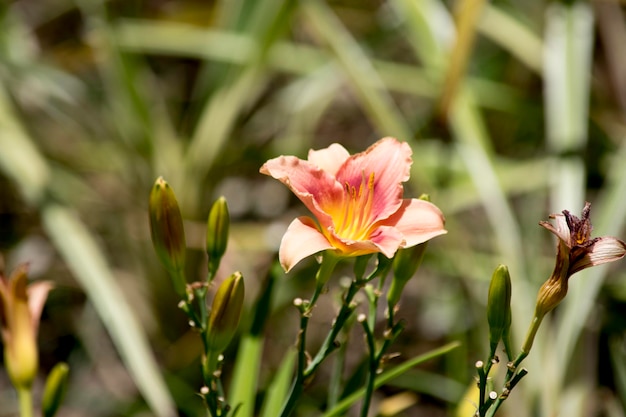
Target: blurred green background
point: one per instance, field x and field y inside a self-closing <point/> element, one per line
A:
<point x="514" y="110"/>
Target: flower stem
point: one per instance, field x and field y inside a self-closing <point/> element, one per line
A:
<point x="25" y="397"/>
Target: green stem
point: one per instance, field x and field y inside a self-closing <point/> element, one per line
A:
<point x="329" y="262"/>
<point x="329" y="343"/>
<point x="25" y="397"/>
<point x="530" y="335"/>
<point x="512" y="376"/>
<point x="297" y="386"/>
<point x="373" y="367"/>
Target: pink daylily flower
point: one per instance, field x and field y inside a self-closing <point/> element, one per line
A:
<point x="357" y="202"/>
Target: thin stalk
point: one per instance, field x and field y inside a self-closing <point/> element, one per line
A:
<point x="334" y="385"/>
<point x="297" y="386"/>
<point x="25" y="397"/>
<point x="329" y="343"/>
<point x="373" y="367"/>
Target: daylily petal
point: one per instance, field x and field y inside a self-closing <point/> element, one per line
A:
<point x="37" y="295"/>
<point x="388" y="239"/>
<point x="390" y="162"/>
<point x="315" y="187"/>
<point x="301" y="239"/>
<point x="605" y="249"/>
<point x="329" y="159"/>
<point x="559" y="228"/>
<point x="418" y="221"/>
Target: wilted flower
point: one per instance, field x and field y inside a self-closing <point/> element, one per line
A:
<point x="356" y="200"/>
<point x="20" y="310"/>
<point x="576" y="251"/>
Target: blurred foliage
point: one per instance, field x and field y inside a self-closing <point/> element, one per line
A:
<point x="97" y="99"/>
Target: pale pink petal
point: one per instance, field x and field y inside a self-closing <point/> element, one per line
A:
<point x="560" y="228"/>
<point x="388" y="240"/>
<point x="418" y="221"/>
<point x="329" y="159"/>
<point x="605" y="249"/>
<point x="390" y="161"/>
<point x="37" y="296"/>
<point x="315" y="187"/>
<point x="301" y="239"/>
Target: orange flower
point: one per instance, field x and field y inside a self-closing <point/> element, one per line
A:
<point x="357" y="202"/>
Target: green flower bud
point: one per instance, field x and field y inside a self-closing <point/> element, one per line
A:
<point x="54" y="392"/>
<point x="225" y="313"/>
<point x="405" y="265"/>
<point x="168" y="233"/>
<point x="217" y="233"/>
<point x="499" y="306"/>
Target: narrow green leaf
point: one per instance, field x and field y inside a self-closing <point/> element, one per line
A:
<point x="246" y="375"/>
<point x="387" y="376"/>
<point x="81" y="253"/>
<point x="278" y="389"/>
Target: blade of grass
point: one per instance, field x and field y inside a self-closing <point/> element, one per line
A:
<point x="279" y="388"/>
<point x="359" y="69"/>
<point x="19" y="158"/>
<point x="79" y="249"/>
<point x="178" y="39"/>
<point x="512" y="35"/>
<point x="467" y="15"/>
<point x="389" y="375"/>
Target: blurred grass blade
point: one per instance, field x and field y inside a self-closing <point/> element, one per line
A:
<point x="512" y="35"/>
<point x="246" y="375"/>
<point x="19" y="158"/>
<point x="279" y="388"/>
<point x="387" y="376"/>
<point x="567" y="76"/>
<point x="184" y="40"/>
<point x="84" y="258"/>
<point x="365" y="81"/>
<point x="467" y="15"/>
<point x="218" y="118"/>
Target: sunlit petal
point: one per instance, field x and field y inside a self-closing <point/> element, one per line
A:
<point x="301" y="239"/>
<point x="315" y="187"/>
<point x="329" y="159"/>
<point x="390" y="162"/>
<point x="418" y="221"/>
<point x="559" y="228"/>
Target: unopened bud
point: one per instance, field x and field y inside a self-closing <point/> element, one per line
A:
<point x="499" y="305"/>
<point x="225" y="313"/>
<point x="54" y="392"/>
<point x="168" y="233"/>
<point x="217" y="233"/>
<point x="405" y="265"/>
